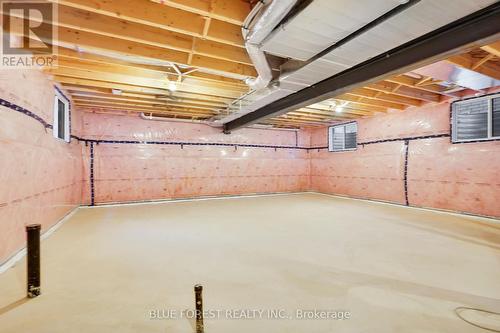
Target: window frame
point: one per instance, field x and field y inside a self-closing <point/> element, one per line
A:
<point x="330" y="137"/>
<point x="59" y="97"/>
<point x="453" y="120"/>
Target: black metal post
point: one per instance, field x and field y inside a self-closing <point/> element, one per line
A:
<point x="199" y="308"/>
<point x="33" y="260"/>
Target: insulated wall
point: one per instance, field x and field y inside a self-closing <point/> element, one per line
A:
<point x="201" y="162"/>
<point x="43" y="178"/>
<point x="40" y="176"/>
<point x="421" y="172"/>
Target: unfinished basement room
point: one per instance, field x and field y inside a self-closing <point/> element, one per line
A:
<point x="222" y="166"/>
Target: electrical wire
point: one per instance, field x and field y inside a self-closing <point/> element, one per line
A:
<point x="474" y="324"/>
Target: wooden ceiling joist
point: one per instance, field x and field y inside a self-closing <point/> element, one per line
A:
<point x="89" y="83"/>
<point x="369" y="102"/>
<point x="160" y="16"/>
<point x="133" y="51"/>
<point x="467" y="61"/>
<point x="230" y="11"/>
<point x="167" y="69"/>
<point x="323" y="115"/>
<point x="214" y="102"/>
<point x="190" y="81"/>
<point x="78" y="19"/>
<point x="385" y="96"/>
<point x="139" y="81"/>
<point x="124" y="110"/>
<point x="493" y="49"/>
<point x="404" y="91"/>
<point x="141" y="108"/>
<point x="148" y="99"/>
<point x="297" y="122"/>
<point x="129" y="101"/>
<point x="413" y="83"/>
<point x="348" y="105"/>
<point x="139" y="47"/>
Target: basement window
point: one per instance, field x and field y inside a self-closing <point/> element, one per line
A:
<point x="61" y="129"/>
<point x="476" y="119"/>
<point x="343" y="137"/>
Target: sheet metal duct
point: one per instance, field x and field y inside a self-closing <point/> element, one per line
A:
<point x="424" y="17"/>
<point x="321" y="24"/>
<point x="262" y="93"/>
<point x="267" y="15"/>
<point x="460" y="76"/>
<point x="478" y="28"/>
<point x="304" y="39"/>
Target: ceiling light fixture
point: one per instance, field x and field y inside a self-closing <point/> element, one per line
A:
<point x="340" y="107"/>
<point x="172" y="86"/>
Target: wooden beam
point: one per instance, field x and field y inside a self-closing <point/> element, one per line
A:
<point x="230" y="11"/>
<point x="323" y="115"/>
<point x="122" y="112"/>
<point x="369" y="102"/>
<point x="330" y="114"/>
<point x="345" y="110"/>
<point x="412" y="83"/>
<point x="206" y="26"/>
<point x="326" y="105"/>
<point x="173" y="113"/>
<point x="291" y="122"/>
<point x="147" y="102"/>
<point x="125" y="110"/>
<point x="137" y="52"/>
<point x="141" y="108"/>
<point x="400" y="90"/>
<point x="215" y="102"/>
<point x="480" y="62"/>
<point x="159" y="16"/>
<point x="304" y="120"/>
<point x="301" y="120"/>
<point x="492" y="49"/>
<point x="82" y="20"/>
<point x="139" y="81"/>
<point x="92" y="83"/>
<point x="305" y="116"/>
<point x="68" y="54"/>
<point x="143" y="53"/>
<point x="467" y="61"/>
<point x="148" y="73"/>
<point x="152" y="99"/>
<point x="382" y="96"/>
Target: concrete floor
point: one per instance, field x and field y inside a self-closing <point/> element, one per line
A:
<point x="394" y="269"/>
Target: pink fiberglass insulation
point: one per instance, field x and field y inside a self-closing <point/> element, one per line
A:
<point x="137" y="172"/>
<point x="40" y="176"/>
<point x="460" y="177"/>
<point x="374" y="171"/>
<point x="44" y="178"/>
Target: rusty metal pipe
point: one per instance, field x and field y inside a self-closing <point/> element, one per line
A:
<point x="199" y="308"/>
<point x="33" y="260"/>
